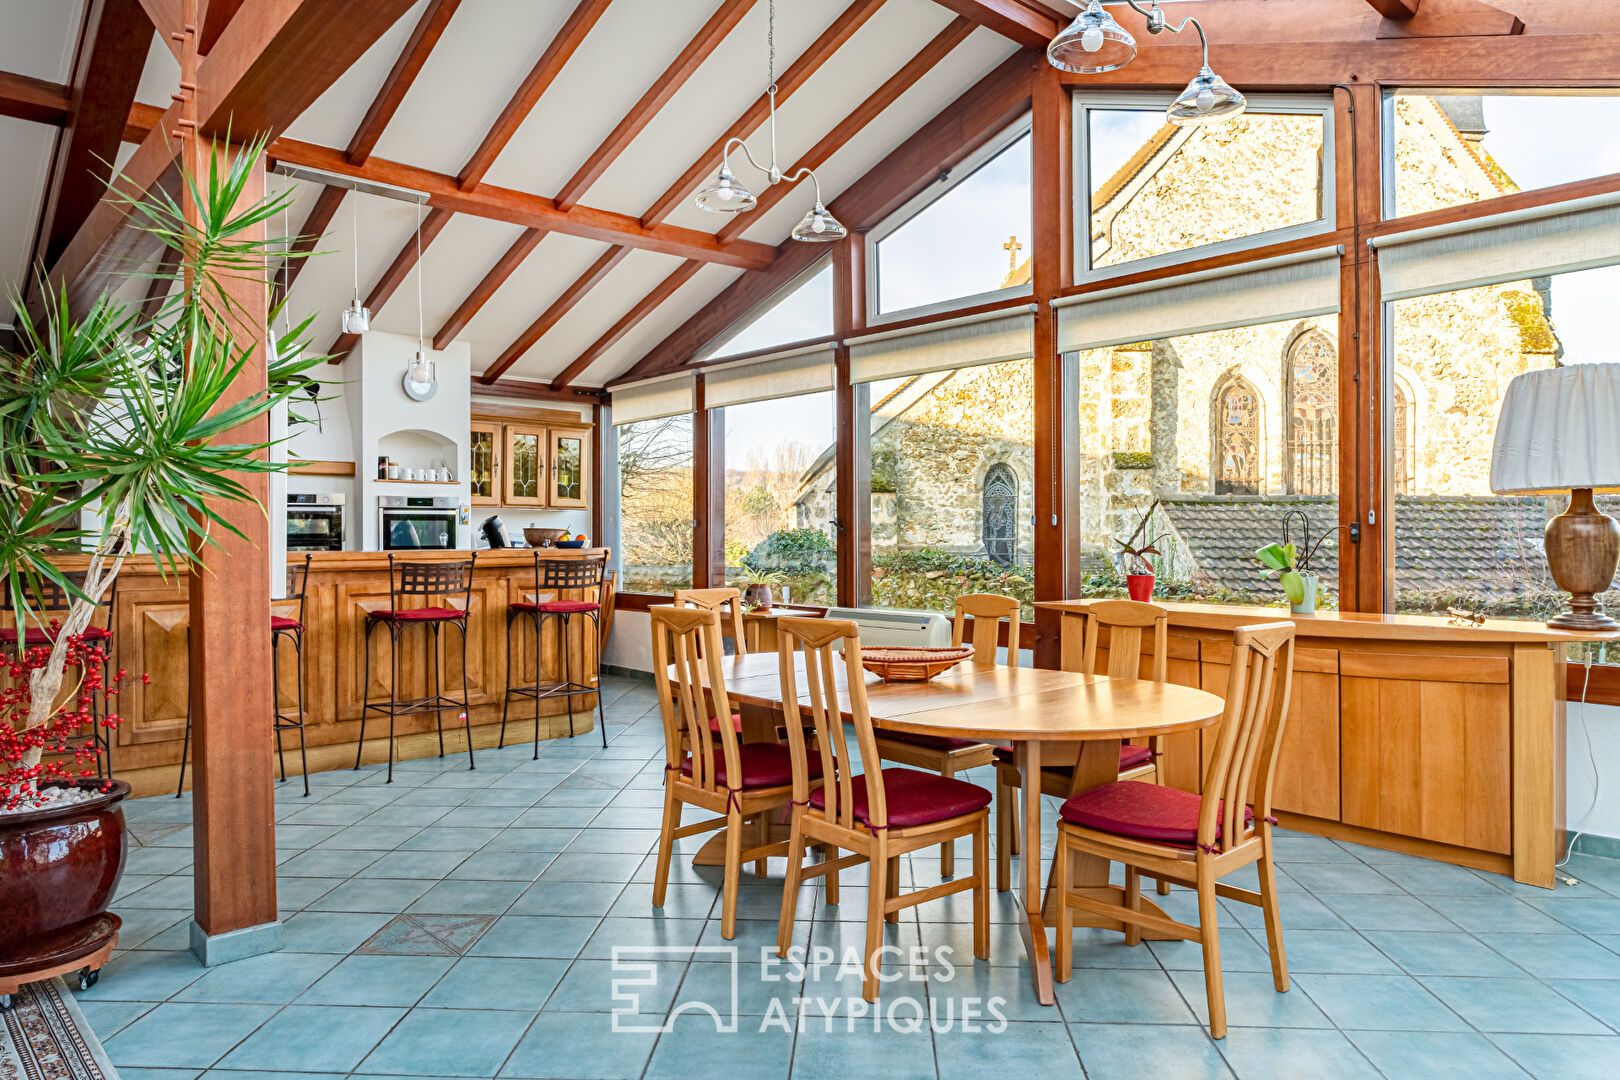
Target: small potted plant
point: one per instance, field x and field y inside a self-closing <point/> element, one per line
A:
<point x="1291" y="562"/>
<point x="756" y="583"/>
<point x="1139" y="575"/>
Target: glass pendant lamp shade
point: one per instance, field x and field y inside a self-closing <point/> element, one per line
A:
<point x="356" y="318"/>
<point x="1207" y="97"/>
<point x="422" y="368"/>
<point x="819" y="227"/>
<point x="725" y="195"/>
<point x="1092" y="44"/>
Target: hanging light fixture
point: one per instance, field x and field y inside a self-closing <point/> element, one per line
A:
<point x="356" y="317"/>
<point x="421" y="375"/>
<point x="1095" y="43"/>
<point x="727" y="196"/>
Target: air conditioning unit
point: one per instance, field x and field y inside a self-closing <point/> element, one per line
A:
<point x="888" y="626"/>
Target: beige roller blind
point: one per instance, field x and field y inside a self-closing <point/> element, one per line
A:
<point x="943" y="346"/>
<point x="654" y="399"/>
<point x="782" y="374"/>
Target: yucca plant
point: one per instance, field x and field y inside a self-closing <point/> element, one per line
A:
<point x="115" y="424"/>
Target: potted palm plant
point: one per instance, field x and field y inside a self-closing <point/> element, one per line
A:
<point x="114" y="444"/>
<point x="756" y="583"/>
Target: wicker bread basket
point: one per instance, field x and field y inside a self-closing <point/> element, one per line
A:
<point x="912" y="664"/>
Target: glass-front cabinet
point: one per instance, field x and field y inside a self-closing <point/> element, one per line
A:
<point x="484" y="470"/>
<point x="525" y="465"/>
<point x="570" y="462"/>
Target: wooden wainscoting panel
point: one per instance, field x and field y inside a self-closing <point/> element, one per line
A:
<point x="153" y="639"/>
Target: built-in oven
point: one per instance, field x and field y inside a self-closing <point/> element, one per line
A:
<point x="417" y="522"/>
<point x="314" y="521"/>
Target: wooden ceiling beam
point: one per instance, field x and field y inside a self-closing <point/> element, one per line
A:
<point x="955" y="32"/>
<point x="429" y="28"/>
<point x="550" y="317"/>
<point x="1396" y="9"/>
<point x="541" y="76"/>
<point x="166" y="19"/>
<point x="536" y="211"/>
<point x="1026" y="24"/>
<point x="797" y="74"/>
<point x="216" y="15"/>
<point x="433" y="222"/>
<point x="23" y="97"/>
<point x="978" y="115"/>
<point x="665" y="86"/>
<point x="643" y="307"/>
<point x="524" y="390"/>
<point x="504" y="267"/>
<point x="106" y="72"/>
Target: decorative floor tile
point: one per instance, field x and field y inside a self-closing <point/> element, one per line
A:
<point x="427" y="935"/>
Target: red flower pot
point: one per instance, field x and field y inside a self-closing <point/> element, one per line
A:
<point x="1140" y="587"/>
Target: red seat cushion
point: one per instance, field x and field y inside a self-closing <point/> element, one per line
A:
<point x="39" y="635"/>
<point x="736" y="723"/>
<point x="281" y="622"/>
<point x="1131" y="756"/>
<point x="554" y="607"/>
<point x="421" y="614"/>
<point x="930" y="742"/>
<point x="914" y="797"/>
<point x="1142" y="811"/>
<point x="763" y="765"/>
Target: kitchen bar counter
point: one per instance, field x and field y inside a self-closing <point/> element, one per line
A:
<point x="1404" y="732"/>
<point x="151" y="637"/>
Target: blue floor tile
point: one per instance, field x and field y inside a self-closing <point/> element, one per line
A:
<point x="559" y="936"/>
<point x="1378" y="1003"/>
<point x="271" y="979"/>
<point x="582" y="1046"/>
<point x="831" y="1048"/>
<point x="1563" y="1057"/>
<point x="448" y="1042"/>
<point x="1138" y="1051"/>
<point x="1513" y="1005"/>
<point x="1294" y="1053"/>
<point x="1120" y="996"/>
<point x="1400" y="1054"/>
<point x="1014" y="1049"/>
<point x="314" y="1038"/>
<point x="185" y="1034"/>
<point x="377" y="980"/>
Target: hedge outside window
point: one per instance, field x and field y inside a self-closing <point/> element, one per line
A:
<point x="781" y="494"/>
<point x="655" y="505"/>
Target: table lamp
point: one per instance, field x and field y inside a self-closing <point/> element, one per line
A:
<point x="1559" y="430"/>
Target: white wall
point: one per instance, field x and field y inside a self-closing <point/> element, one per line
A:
<point x="631" y="643"/>
<point x="1592" y="753"/>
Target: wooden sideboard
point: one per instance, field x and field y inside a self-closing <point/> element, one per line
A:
<point x="1404" y="732"/>
<point x="152" y="617"/>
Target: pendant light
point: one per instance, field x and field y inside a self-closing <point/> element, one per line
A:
<point x="1095" y="43"/>
<point x="727" y="196"/>
<point x="356" y="317"/>
<point x="421" y="375"/>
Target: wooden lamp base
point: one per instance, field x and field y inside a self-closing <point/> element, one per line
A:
<point x="1583" y="551"/>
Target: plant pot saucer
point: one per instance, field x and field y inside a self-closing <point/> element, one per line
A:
<point x="75" y="947"/>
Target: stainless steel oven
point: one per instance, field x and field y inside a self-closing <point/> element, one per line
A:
<point x="417" y="522"/>
<point x="315" y="522"/>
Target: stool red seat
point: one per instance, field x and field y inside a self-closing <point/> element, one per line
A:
<point x="553" y="575"/>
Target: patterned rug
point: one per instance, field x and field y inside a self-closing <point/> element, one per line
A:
<point x="45" y="1037"/>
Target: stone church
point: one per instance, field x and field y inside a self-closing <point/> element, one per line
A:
<point x="1226" y="431"/>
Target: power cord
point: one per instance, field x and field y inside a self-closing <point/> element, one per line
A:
<point x="1591" y="758"/>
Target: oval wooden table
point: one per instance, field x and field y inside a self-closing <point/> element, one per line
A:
<point x="1028" y="708"/>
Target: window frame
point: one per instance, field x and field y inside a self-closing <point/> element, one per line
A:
<point x="876" y="317"/>
<point x="713" y="351"/>
<point x="1084" y="102"/>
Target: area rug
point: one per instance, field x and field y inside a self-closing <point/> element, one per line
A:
<point x="46" y="1037"/>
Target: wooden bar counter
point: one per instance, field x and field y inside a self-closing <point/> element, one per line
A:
<point x="151" y="636"/>
<point x="1404" y="732"/>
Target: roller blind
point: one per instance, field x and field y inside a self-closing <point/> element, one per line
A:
<point x="654" y="399"/>
<point x="1577" y="235"/>
<point x="783" y="374"/>
<point x="943" y="346"/>
<point x="1287" y="287"/>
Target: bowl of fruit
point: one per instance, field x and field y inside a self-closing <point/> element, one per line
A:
<point x="566" y="540"/>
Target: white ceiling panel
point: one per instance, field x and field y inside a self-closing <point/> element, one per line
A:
<point x="326" y="283"/>
<point x="160" y="78"/>
<point x="631" y="46"/>
<point x="550" y="268"/>
<point x="687" y="301"/>
<point x="22" y="184"/>
<point x="38" y="37"/>
<point x="334" y="117"/>
<point x="487" y="50"/>
<point x="452" y="265"/>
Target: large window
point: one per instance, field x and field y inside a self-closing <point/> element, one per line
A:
<point x="655" y="505"/>
<point x="1450" y="147"/>
<point x="965" y="243"/>
<point x="1150" y="193"/>
<point x="802" y="312"/>
<point x="1200" y="445"/>
<point x="953" y="486"/>
<point x="1453" y="355"/>
<point x="782" y="495"/>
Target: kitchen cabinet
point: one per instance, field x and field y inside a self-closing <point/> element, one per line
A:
<point x="531" y="462"/>
<point x="570" y="467"/>
<point x="484" y="462"/>
<point x="525" y="477"/>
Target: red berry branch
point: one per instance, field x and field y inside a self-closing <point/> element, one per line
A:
<point x="59" y="748"/>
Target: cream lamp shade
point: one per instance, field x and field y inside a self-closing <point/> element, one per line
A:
<point x="1559" y="429"/>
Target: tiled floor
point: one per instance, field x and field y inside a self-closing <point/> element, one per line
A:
<point x="462" y="923"/>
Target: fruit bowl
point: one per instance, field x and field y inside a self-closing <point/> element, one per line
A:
<point x="568" y="543"/>
<point x="542" y="537"/>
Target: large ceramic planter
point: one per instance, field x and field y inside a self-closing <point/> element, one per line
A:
<point x="59" y="868"/>
<point x="759" y="596"/>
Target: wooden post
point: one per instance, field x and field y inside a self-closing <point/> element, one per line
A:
<point x="853" y="459"/>
<point x="708" y="493"/>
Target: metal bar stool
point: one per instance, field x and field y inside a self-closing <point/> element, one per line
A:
<point x="554" y="575"/>
<point x="50" y="604"/>
<point x="428" y="580"/>
<point x="293" y="630"/>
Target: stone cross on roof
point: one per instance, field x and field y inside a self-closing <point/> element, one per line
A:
<point x="1012" y="247"/>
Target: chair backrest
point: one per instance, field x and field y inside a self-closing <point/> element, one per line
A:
<point x="727" y="606"/>
<point x="987" y="610"/>
<point x="46" y="599"/>
<point x="1251" y="730"/>
<point x="686" y="662"/>
<point x="298" y="583"/>
<point x="582" y="573"/>
<point x="438" y="578"/>
<point x="1125" y="621"/>
<point x="818" y="642"/>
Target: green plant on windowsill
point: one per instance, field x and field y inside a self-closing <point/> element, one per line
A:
<point x="756" y="586"/>
<point x="1292" y="563"/>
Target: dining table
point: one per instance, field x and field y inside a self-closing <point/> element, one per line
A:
<point x="1064" y="717"/>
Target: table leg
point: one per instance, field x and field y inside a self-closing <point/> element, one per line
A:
<point x="1027" y="755"/>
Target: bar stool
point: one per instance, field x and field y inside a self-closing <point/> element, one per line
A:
<point x="293" y="631"/>
<point x="51" y="602"/>
<point x="428" y="580"/>
<point x="553" y="575"/>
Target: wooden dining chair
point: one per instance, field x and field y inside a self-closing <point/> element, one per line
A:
<point x="1126" y="621"/>
<point x="706" y="765"/>
<point x="1170" y="834"/>
<point x="727" y="603"/>
<point x="938" y="753"/>
<point x="878" y="814"/>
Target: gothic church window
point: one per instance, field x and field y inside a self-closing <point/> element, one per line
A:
<point x="1311" y="465"/>
<point x="1238" y="454"/>
<point x="1000" y="526"/>
<point x="1402" y="424"/>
